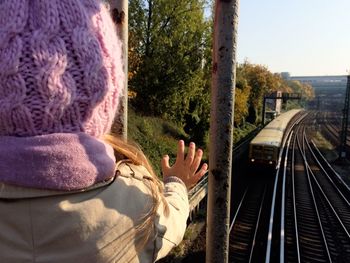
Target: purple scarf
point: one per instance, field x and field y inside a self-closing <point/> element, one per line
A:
<point x="59" y="161"/>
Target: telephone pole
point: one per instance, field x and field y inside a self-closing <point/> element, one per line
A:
<point x="344" y="128"/>
<point x="221" y="130"/>
<point x="119" y="12"/>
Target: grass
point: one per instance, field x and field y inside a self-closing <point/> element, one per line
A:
<point x="325" y="146"/>
<point x="156" y="137"/>
<point x="331" y="154"/>
<point x="242" y="131"/>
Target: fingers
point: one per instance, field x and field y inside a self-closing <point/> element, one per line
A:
<point x="165" y="164"/>
<point x="199" y="175"/>
<point x="180" y="151"/>
<point x="201" y="172"/>
<point x="185" y="167"/>
<point x="190" y="154"/>
<point x="197" y="160"/>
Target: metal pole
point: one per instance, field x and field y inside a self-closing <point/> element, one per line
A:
<point x="221" y="130"/>
<point x="263" y="111"/>
<point x="344" y="130"/>
<point x="119" y="11"/>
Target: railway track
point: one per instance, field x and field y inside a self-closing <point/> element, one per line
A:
<point x="309" y="220"/>
<point x="199" y="192"/>
<point x="331" y="127"/>
<point x="302" y="214"/>
<point x="251" y="223"/>
<point x="248" y="229"/>
<point x="305" y="227"/>
<point x="317" y="225"/>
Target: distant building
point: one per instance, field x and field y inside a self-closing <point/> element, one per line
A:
<point x="322" y="81"/>
<point x="329" y="90"/>
<point x="285" y="75"/>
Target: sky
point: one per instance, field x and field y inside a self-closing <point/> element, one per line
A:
<point x="303" y="37"/>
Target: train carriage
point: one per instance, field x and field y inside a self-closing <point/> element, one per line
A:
<point x="264" y="148"/>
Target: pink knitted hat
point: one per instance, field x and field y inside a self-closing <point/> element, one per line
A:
<point x="60" y="67"/>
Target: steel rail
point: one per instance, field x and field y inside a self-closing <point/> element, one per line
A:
<point x="197" y="194"/>
<point x="200" y="191"/>
<point x="302" y="151"/>
<point x="294" y="200"/>
<point x="330" y="167"/>
<point x="272" y="212"/>
<point x="282" y="230"/>
<point x="243" y="241"/>
<point x="333" y="130"/>
<point x="257" y="226"/>
<point x="269" y="235"/>
<point x="331" y="133"/>
<point x="328" y="202"/>
<point x="307" y="231"/>
<point x="323" y="193"/>
<point x="328" y="177"/>
<point x="238" y="210"/>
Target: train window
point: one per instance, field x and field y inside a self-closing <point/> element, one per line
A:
<point x="268" y="150"/>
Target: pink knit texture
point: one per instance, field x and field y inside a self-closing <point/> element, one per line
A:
<point x="60" y="67"/>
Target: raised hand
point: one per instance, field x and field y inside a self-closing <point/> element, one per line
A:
<point x="185" y="168"/>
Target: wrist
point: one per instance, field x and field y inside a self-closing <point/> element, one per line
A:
<point x="174" y="179"/>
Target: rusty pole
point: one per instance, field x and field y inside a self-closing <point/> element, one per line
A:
<point x="221" y="130"/>
<point x="119" y="11"/>
<point x="345" y="122"/>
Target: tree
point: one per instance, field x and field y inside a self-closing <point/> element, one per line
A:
<point x="306" y="90"/>
<point x="261" y="82"/>
<point x="242" y="94"/>
<point x="169" y="38"/>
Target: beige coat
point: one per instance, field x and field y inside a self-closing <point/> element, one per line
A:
<point x="88" y="226"/>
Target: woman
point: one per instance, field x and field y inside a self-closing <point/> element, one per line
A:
<point x="70" y="192"/>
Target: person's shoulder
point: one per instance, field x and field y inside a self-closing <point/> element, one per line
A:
<point x="128" y="169"/>
<point x="133" y="174"/>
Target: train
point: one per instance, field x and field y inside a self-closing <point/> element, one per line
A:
<point x="265" y="147"/>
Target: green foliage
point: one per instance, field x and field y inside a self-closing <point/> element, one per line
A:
<point x="261" y="81"/>
<point x="306" y="90"/>
<point x="256" y="77"/>
<point x="242" y="94"/>
<point x="242" y="131"/>
<point x="169" y="39"/>
<point x="155" y="136"/>
<point x="256" y="81"/>
<point x="170" y="50"/>
<point x="292" y="104"/>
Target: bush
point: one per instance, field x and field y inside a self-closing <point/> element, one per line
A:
<point x="155" y="136"/>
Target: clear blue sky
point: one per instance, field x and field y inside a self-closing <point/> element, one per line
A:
<point x="303" y="37"/>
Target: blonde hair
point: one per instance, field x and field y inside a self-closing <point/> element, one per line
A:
<point x="132" y="153"/>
